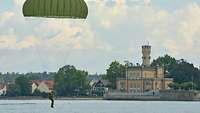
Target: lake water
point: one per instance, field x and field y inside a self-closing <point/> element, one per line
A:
<point x="97" y="106"/>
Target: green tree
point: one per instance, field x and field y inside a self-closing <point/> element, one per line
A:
<point x="180" y="70"/>
<point x="185" y="85"/>
<point x="70" y="81"/>
<point x="115" y="70"/>
<point x="24" y="85"/>
<point x="13" y="90"/>
<point x="167" y="61"/>
<point x="185" y="72"/>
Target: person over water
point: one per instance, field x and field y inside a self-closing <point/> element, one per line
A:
<point x="51" y="95"/>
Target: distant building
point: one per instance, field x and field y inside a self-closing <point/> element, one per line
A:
<point x="98" y="85"/>
<point x="3" y="89"/>
<point x="94" y="77"/>
<point x="98" y="88"/>
<point x="144" y="78"/>
<point x="42" y="85"/>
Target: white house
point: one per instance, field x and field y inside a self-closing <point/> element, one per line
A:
<point x="42" y="85"/>
<point x="3" y="89"/>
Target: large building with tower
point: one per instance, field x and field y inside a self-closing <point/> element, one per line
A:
<point x="144" y="77"/>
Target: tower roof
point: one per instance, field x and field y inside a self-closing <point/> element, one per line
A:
<point x="146" y="46"/>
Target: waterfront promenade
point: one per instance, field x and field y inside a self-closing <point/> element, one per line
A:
<point x="163" y="95"/>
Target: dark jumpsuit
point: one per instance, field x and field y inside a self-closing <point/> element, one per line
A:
<point x="51" y="98"/>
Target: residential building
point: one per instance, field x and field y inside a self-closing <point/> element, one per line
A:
<point x="99" y="87"/>
<point x="3" y="89"/>
<point x="42" y="85"/>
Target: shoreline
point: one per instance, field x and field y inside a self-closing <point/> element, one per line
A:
<point x="56" y="98"/>
<point x="89" y="98"/>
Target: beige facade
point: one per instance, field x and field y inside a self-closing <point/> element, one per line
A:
<point x="146" y="81"/>
<point x="144" y="78"/>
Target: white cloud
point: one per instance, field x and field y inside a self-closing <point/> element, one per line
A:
<point x="105" y="23"/>
<point x="189" y="27"/>
<point x="114" y="30"/>
<point x="72" y="35"/>
<point x="147" y="2"/>
<point x="173" y="30"/>
<point x="5" y="16"/>
<point x="28" y="42"/>
<point x="108" y="15"/>
<point x="19" y="2"/>
<point x="10" y="42"/>
<point x="7" y="41"/>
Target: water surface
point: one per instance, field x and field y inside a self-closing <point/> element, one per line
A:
<point x="97" y="106"/>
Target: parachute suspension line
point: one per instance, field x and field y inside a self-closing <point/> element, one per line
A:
<point x="67" y="53"/>
<point x="66" y="57"/>
<point x="35" y="48"/>
<point x="41" y="60"/>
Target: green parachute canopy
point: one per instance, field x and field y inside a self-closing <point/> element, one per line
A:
<point x="55" y="8"/>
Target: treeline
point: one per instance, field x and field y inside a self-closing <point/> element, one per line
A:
<point x="10" y="77"/>
<point x="70" y="81"/>
<point x="21" y="87"/>
<point x="19" y="84"/>
<point x="185" y="74"/>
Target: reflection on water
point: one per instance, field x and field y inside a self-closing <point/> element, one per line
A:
<point x="19" y="104"/>
<point x="97" y="106"/>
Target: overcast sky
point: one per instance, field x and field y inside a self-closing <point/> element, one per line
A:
<point x="114" y="30"/>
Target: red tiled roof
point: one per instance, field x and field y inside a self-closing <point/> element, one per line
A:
<point x="2" y="86"/>
<point x="49" y="83"/>
<point x="37" y="82"/>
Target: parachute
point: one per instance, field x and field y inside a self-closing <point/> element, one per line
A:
<point x="75" y="9"/>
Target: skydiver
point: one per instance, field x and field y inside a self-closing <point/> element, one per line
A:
<point x="51" y="95"/>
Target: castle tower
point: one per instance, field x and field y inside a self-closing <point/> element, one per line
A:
<point x="146" y="51"/>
